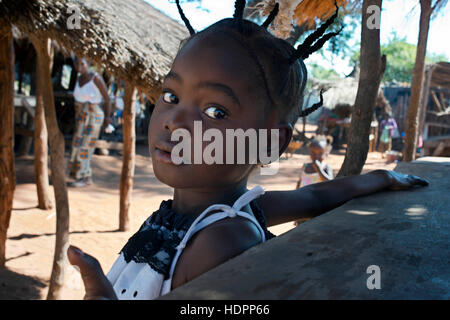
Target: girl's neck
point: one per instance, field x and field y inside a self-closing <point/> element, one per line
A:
<point x="192" y="202"/>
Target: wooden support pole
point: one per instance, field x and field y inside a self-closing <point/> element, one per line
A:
<point x="41" y="150"/>
<point x="412" y="119"/>
<point x="7" y="169"/>
<point x="56" y="141"/>
<point x="128" y="157"/>
<point x="424" y="102"/>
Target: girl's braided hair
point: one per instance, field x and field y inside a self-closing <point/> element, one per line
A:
<point x="273" y="57"/>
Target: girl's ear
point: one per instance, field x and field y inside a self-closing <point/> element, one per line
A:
<point x="286" y="131"/>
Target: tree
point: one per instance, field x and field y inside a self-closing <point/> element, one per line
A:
<point x="7" y="170"/>
<point x="412" y="119"/>
<point x="371" y="72"/>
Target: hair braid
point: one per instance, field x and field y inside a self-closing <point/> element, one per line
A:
<point x="272" y="16"/>
<point x="238" y="16"/>
<point x="306" y="46"/>
<point x="185" y="20"/>
<point x="313" y="108"/>
<point x="319" y="44"/>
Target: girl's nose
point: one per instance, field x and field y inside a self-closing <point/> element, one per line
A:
<point x="180" y="117"/>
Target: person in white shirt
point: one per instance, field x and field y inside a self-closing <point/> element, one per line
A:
<point x="90" y="91"/>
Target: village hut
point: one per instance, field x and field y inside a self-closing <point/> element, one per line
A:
<point x="434" y="117"/>
<point x="129" y="39"/>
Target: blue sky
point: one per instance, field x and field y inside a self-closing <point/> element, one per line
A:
<point x="401" y="16"/>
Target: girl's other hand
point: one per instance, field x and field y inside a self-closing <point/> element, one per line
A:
<point x="96" y="284"/>
<point x="400" y="181"/>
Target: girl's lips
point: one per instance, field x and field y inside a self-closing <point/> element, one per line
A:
<point x="163" y="156"/>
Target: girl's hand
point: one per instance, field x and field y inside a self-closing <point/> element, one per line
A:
<point x="96" y="284"/>
<point x="400" y="181"/>
<point x="317" y="165"/>
<point x="107" y="121"/>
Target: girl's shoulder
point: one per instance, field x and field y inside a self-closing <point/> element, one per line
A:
<point x="214" y="245"/>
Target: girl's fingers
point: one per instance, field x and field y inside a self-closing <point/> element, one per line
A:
<point x="419" y="181"/>
<point x="95" y="281"/>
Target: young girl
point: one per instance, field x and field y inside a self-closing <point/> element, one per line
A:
<point x="233" y="75"/>
<point x="316" y="170"/>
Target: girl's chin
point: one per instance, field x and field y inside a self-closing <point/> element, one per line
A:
<point x="176" y="176"/>
<point x="191" y="176"/>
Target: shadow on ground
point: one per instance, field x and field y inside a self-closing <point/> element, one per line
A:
<point x="16" y="286"/>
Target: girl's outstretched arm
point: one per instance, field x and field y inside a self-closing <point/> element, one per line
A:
<point x="313" y="200"/>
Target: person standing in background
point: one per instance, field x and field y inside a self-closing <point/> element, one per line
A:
<point x="90" y="91"/>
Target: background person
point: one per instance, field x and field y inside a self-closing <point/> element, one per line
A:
<point x="90" y="90"/>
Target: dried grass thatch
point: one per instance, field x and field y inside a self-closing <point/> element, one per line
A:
<point x="129" y="38"/>
<point x="300" y="12"/>
<point x="339" y="91"/>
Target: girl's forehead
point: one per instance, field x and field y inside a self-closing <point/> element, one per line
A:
<point x="317" y="148"/>
<point x="215" y="57"/>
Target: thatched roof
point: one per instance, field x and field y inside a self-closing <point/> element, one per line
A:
<point x="131" y="39"/>
<point x="309" y="11"/>
<point x="441" y="75"/>
<point x="339" y="91"/>
<point x="300" y="12"/>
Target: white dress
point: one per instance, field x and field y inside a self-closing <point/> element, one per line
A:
<point x="89" y="92"/>
<point x="146" y="265"/>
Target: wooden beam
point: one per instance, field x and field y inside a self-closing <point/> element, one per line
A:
<point x="439" y="149"/>
<point x="23" y="132"/>
<point x="128" y="156"/>
<point x="437" y="124"/>
<point x="442" y="100"/>
<point x="28" y="107"/>
<point x="56" y="140"/>
<point x="7" y="169"/>
<point x="436" y="100"/>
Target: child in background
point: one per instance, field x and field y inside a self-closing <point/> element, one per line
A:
<point x="232" y="75"/>
<point x="316" y="170"/>
<point x="388" y="126"/>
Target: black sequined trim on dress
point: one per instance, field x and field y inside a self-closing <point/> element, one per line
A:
<point x="156" y="240"/>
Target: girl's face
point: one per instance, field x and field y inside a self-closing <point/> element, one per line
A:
<point x="316" y="153"/>
<point x="212" y="80"/>
<point x="81" y="66"/>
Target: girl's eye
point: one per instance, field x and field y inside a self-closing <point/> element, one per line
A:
<point x="169" y="97"/>
<point x="215" y="113"/>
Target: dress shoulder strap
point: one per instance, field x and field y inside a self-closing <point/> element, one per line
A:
<point x="201" y="222"/>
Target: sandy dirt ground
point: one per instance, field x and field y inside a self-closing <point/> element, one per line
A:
<point x="94" y="218"/>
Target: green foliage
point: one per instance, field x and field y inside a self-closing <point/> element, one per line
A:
<point x="401" y="57"/>
<point x="318" y="72"/>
